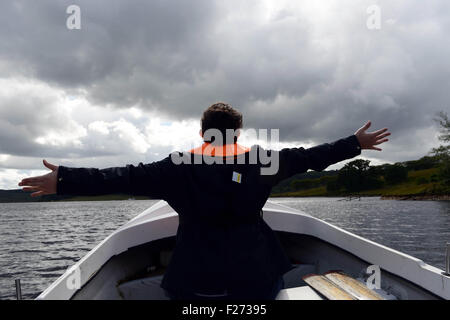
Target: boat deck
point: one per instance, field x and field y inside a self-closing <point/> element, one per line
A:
<point x="137" y="273"/>
<point x="148" y="287"/>
<point x="130" y="263"/>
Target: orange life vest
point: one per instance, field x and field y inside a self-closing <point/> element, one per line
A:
<point x="209" y="149"/>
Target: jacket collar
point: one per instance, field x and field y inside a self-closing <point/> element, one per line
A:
<point x="209" y="149"/>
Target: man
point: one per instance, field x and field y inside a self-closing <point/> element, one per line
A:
<point x="224" y="249"/>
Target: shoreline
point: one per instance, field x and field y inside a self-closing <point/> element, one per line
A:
<point x="444" y="197"/>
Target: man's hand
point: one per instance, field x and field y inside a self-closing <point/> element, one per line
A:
<point x="368" y="140"/>
<point x="45" y="184"/>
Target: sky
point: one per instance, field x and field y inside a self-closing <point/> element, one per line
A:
<point x="131" y="83"/>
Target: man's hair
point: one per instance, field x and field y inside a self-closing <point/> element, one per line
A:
<point x="221" y="116"/>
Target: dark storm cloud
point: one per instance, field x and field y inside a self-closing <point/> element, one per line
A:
<point x="314" y="78"/>
<point x="178" y="56"/>
<point x="117" y="38"/>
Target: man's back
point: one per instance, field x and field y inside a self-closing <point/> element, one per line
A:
<point x="223" y="244"/>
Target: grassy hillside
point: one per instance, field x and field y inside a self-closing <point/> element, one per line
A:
<point x="412" y="186"/>
<point x="418" y="183"/>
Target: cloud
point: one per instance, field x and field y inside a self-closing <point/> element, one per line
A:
<point x="32" y="121"/>
<point x="139" y="73"/>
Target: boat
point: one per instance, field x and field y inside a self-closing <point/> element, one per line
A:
<point x="130" y="262"/>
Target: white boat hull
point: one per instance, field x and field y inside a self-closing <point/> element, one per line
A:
<point x="323" y="245"/>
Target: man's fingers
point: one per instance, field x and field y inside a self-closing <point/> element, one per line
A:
<point x="381" y="141"/>
<point x="49" y="165"/>
<point x="31" y="181"/>
<point x="375" y="148"/>
<point x="366" y="126"/>
<point x="378" y="132"/>
<point x="31" y="188"/>
<point x="39" y="193"/>
<point x="381" y="136"/>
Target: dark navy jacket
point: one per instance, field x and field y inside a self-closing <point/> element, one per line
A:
<point x="222" y="241"/>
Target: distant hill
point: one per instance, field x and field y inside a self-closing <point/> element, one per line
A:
<point x="285" y="185"/>
<point x="417" y="179"/>
<point x="18" y="195"/>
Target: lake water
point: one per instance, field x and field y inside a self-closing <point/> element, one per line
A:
<point x="39" y="241"/>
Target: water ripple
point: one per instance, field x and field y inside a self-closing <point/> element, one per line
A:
<point x="38" y="248"/>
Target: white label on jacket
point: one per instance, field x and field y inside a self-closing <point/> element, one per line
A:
<point x="237" y="177"/>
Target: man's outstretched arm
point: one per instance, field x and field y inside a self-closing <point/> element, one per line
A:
<point x="149" y="179"/>
<point x="299" y="160"/>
